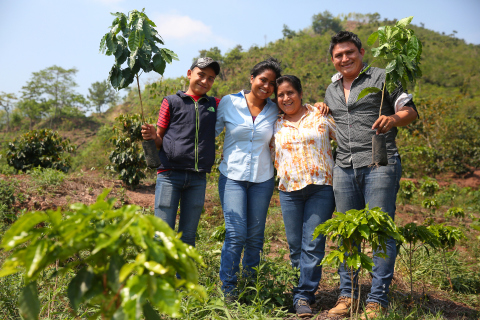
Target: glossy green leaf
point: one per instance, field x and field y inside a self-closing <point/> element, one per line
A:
<point x="28" y="303"/>
<point x="19" y="231"/>
<point x="115" y="76"/>
<point x="168" y="55"/>
<point x="78" y="287"/>
<point x="134" y="40"/>
<point x="159" y="63"/>
<point x="149" y="313"/>
<point x="372" y="38"/>
<point x="404" y="22"/>
<point x="367" y="91"/>
<point x="391" y="66"/>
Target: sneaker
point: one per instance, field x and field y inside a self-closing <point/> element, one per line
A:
<point x="302" y="308"/>
<point x="342" y="307"/>
<point x="373" y="310"/>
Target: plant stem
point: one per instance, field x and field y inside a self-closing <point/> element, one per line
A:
<point x="381" y="104"/>
<point x="140" y="95"/>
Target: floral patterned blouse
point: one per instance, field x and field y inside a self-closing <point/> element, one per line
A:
<point x="303" y="155"/>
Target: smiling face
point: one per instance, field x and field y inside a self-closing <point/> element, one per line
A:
<point x="263" y="85"/>
<point x="288" y="99"/>
<point x="201" y="81"/>
<point x="347" y="59"/>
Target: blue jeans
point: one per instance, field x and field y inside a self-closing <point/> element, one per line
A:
<point x="245" y="206"/>
<point x="377" y="186"/>
<point x="303" y="210"/>
<point x="186" y="187"/>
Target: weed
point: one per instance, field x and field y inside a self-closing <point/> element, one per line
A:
<point x="46" y="178"/>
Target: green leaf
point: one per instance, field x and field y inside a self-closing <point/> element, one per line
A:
<point x="364" y="231"/>
<point x="159" y="64"/>
<point x="19" y="232"/>
<point x="373" y="38"/>
<point x="111" y="43"/>
<point x="115" y="77"/>
<point x="113" y="273"/>
<point x="103" y="43"/>
<point x="149" y="312"/>
<point x="413" y="47"/>
<point x="28" y="303"/>
<point x="168" y="55"/>
<point x="78" y="286"/>
<point x="390" y="66"/>
<point x="367" y="91"/>
<point x="134" y="40"/>
<point x="404" y="22"/>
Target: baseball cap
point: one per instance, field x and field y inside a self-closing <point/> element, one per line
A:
<point x="206" y="62"/>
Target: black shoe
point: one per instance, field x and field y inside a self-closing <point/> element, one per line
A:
<point x="302" y="308"/>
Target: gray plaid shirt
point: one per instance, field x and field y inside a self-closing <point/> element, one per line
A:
<point x="354" y="120"/>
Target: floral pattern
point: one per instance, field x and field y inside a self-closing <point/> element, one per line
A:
<point x="303" y="155"/>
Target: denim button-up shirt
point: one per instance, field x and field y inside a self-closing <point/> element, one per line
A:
<point x="246" y="153"/>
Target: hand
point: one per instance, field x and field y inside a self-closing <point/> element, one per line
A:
<point x="383" y="124"/>
<point x="323" y="108"/>
<point x="148" y="132"/>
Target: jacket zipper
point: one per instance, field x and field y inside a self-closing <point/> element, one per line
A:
<point x="197" y="125"/>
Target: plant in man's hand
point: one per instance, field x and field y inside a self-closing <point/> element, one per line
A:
<point x="125" y="262"/>
<point x="354" y="230"/>
<point x="400" y="51"/>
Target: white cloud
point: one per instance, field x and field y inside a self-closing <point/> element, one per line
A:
<point x="183" y="28"/>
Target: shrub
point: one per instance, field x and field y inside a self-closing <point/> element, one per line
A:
<point x="127" y="158"/>
<point x="428" y="187"/>
<point x="125" y="262"/>
<point x="407" y="190"/>
<point x="43" y="148"/>
<point x="455" y="212"/>
<point x="8" y="196"/>
<point x="48" y="177"/>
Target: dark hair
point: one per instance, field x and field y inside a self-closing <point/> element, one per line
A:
<point x="269" y="64"/>
<point x="294" y="81"/>
<point x="345" y="36"/>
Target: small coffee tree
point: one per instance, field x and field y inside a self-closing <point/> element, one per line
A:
<point x="353" y="230"/>
<point x="134" y="40"/>
<point x="126" y="263"/>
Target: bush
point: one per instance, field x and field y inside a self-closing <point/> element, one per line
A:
<point x="8" y="198"/>
<point x="124" y="262"/>
<point x="127" y="158"/>
<point x="43" y="148"/>
<point x="428" y="187"/>
<point x="47" y="177"/>
<point x="407" y="190"/>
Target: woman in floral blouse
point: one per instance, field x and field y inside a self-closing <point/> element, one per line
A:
<point x="304" y="163"/>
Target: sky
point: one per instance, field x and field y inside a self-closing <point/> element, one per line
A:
<point x="37" y="34"/>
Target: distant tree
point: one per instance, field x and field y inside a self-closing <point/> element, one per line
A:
<point x="6" y="102"/>
<point x="325" y="21"/>
<point x="102" y="93"/>
<point x="216" y="55"/>
<point x="287" y="32"/>
<point x="56" y="84"/>
<point x="33" y="110"/>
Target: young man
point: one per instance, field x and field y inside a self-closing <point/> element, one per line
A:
<point x="185" y="137"/>
<point x="355" y="181"/>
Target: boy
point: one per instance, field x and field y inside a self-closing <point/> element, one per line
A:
<point x="185" y="137"/>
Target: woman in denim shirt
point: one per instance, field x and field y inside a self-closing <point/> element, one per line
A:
<point x="246" y="181"/>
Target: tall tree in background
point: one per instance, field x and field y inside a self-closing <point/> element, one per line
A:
<point x="325" y="21"/>
<point x="6" y="102"/>
<point x="56" y="84"/>
<point x="102" y="93"/>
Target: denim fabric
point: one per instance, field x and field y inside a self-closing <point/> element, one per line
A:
<point x="186" y="187"/>
<point x="303" y="210"/>
<point x="245" y="205"/>
<point x="377" y="186"/>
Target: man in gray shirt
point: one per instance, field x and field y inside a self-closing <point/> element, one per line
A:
<point x="356" y="182"/>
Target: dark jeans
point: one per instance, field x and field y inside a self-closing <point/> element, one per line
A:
<point x="245" y="206"/>
<point x="186" y="187"/>
<point x="377" y="186"/>
<point x="303" y="210"/>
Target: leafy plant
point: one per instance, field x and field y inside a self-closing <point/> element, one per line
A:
<point x="8" y="197"/>
<point x="46" y="177"/>
<point x="428" y="187"/>
<point x="400" y="51"/>
<point x="127" y="157"/>
<point x="125" y="263"/>
<point x="44" y="148"/>
<point x="455" y="212"/>
<point x="355" y="229"/>
<point x="407" y="190"/>
<point x="416" y="237"/>
<point x="430" y="204"/>
<point x="447" y="237"/>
